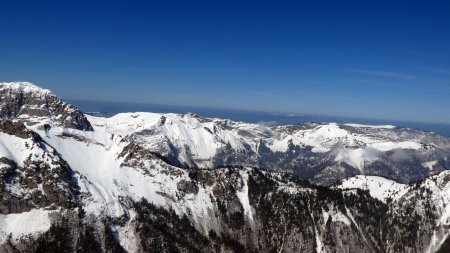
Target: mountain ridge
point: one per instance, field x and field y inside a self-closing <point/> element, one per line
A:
<point x="145" y="182"/>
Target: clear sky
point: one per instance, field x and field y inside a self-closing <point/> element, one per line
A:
<point x="375" y="59"/>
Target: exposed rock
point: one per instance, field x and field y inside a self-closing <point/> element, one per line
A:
<point x="31" y="104"/>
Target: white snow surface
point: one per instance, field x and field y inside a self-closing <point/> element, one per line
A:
<point x="324" y="138"/>
<point x="20" y="150"/>
<point x="378" y="187"/>
<point x="244" y="198"/>
<point x="30" y="223"/>
<point x="13" y="148"/>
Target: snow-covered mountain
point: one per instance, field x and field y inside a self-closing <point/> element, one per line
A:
<point x="321" y="153"/>
<point x="145" y="182"/>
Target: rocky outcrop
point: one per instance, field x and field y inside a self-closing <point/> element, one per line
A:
<point x="28" y="103"/>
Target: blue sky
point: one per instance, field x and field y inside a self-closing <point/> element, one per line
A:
<point x="374" y="59"/>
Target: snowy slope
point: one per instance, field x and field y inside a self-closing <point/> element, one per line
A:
<point x="32" y="223"/>
<point x="118" y="161"/>
<point x="379" y="187"/>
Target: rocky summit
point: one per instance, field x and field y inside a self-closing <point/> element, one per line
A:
<point x="148" y="182"/>
<point x="23" y="101"/>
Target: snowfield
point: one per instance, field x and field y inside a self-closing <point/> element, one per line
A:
<point x="379" y="187"/>
<point x="30" y="223"/>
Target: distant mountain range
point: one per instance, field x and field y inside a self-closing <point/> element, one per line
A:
<point x="108" y="109"/>
<point x="164" y="182"/>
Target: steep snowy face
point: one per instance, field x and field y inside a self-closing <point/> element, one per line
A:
<point x="184" y="139"/>
<point x="32" y="174"/>
<point x="31" y="104"/>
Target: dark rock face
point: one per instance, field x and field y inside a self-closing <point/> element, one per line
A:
<point x="14" y="128"/>
<point x="28" y="103"/>
<point x="164" y="231"/>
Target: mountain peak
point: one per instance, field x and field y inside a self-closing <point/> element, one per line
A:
<point x="31" y="104"/>
<point x="23" y="87"/>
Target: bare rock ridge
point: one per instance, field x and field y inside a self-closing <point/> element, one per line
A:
<point x="29" y="103"/>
